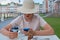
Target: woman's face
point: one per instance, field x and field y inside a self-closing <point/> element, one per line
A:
<point x="28" y="15"/>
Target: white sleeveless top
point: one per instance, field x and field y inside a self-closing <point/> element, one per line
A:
<point x="35" y="24"/>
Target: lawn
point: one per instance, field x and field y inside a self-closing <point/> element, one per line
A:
<point x="55" y="23"/>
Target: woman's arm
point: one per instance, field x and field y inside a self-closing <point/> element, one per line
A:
<point x="5" y="30"/>
<point x="48" y="30"/>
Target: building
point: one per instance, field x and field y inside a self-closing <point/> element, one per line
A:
<point x="45" y="6"/>
<point x="11" y="10"/>
<point x="48" y="6"/>
<point x="37" y="6"/>
<point x="57" y="7"/>
<point x="41" y="8"/>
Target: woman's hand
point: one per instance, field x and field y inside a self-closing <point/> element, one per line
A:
<point x="30" y="33"/>
<point x="6" y="31"/>
<point x="12" y="35"/>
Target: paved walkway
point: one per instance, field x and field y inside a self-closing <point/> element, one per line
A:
<point x="4" y="23"/>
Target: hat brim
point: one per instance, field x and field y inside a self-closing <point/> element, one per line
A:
<point x="28" y="11"/>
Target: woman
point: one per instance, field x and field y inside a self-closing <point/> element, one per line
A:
<point x="30" y="20"/>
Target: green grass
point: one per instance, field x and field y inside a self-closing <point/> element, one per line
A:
<point x="41" y="14"/>
<point x="55" y="23"/>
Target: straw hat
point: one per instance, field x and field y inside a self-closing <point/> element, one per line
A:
<point x="28" y="7"/>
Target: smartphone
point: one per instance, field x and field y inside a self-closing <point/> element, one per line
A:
<point x="26" y="29"/>
<point x="14" y="29"/>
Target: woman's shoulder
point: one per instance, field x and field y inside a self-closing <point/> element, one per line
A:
<point x="19" y="17"/>
<point x="37" y="16"/>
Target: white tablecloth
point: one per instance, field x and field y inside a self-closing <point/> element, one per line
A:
<point x="51" y="37"/>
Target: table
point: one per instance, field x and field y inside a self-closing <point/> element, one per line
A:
<point x="51" y="37"/>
